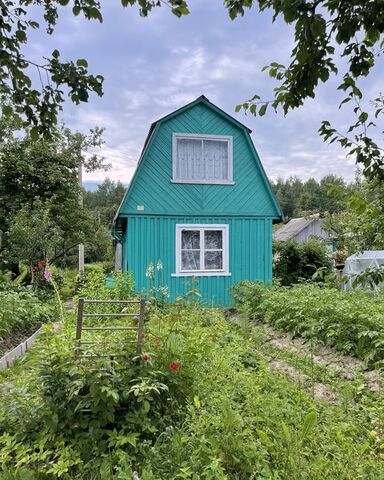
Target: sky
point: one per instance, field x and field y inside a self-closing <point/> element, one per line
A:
<point x="157" y="64"/>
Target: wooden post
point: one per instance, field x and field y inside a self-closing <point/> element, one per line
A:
<point x="141" y="328"/>
<point x="79" y="326"/>
<point x="81" y="246"/>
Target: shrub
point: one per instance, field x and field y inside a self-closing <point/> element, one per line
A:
<point x="94" y="285"/>
<point x="299" y="261"/>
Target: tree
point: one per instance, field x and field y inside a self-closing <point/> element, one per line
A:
<point x="298" y="198"/>
<point x="105" y="201"/>
<point x="360" y="225"/>
<point x="297" y="262"/>
<point x="39" y="195"/>
<point x="325" y="31"/>
<point x="39" y="105"/>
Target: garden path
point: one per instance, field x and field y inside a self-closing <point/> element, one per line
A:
<point x="320" y="370"/>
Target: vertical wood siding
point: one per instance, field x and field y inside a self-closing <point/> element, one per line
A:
<point x="153" y="237"/>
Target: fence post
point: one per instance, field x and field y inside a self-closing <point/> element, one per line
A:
<point x="79" y="325"/>
<point x="141" y="328"/>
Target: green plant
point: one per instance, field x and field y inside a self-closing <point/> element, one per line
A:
<point x="158" y="293"/>
<point x="352" y="322"/>
<point x="21" y="310"/>
<point x="298" y="262"/>
<point x="199" y="403"/>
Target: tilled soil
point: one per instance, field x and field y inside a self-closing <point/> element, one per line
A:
<point x="15" y="338"/>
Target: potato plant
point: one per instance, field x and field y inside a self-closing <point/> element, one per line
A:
<point x="21" y="310"/>
<point x="351" y="322"/>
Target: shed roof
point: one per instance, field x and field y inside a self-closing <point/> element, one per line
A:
<point x="294" y="227"/>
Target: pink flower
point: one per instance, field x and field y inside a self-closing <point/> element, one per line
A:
<point x="142" y="334"/>
<point x="157" y="341"/>
<point x="47" y="274"/>
<point x="174" y="366"/>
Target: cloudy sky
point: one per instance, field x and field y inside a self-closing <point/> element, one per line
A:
<point x="157" y="64"/>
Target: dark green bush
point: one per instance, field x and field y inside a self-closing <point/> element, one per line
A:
<point x="296" y="262"/>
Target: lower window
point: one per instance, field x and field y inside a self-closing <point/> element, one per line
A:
<point x="201" y="249"/>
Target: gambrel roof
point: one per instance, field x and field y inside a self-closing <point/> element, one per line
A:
<point x="157" y="152"/>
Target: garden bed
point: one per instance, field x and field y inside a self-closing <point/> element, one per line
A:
<point x="202" y="401"/>
<point x="17" y="337"/>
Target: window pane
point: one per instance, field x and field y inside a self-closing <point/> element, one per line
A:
<point x="190" y="239"/>
<point x="216" y="159"/>
<point x="189" y="164"/>
<point x="190" y="260"/>
<point x="213" y="239"/>
<point x="213" y="260"/>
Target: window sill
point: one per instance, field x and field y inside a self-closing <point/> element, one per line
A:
<point x="202" y="273"/>
<point x="205" y="182"/>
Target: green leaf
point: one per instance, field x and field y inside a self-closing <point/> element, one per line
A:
<point x="21" y="36"/>
<point x="263" y="109"/>
<point x="363" y="117"/>
<point x="310" y="421"/>
<point x="81" y="62"/>
<point x="7" y="110"/>
<point x="34" y="133"/>
<point x="265" y="440"/>
<point x="196" y="401"/>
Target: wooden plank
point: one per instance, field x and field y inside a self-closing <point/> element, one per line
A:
<point x="110" y="315"/>
<point x="80" y="311"/>
<point x="109" y="328"/>
<point x="140" y="333"/>
<point x="112" y="301"/>
<point x="98" y="343"/>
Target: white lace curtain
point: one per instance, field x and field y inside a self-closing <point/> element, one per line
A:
<point x="194" y="243"/>
<point x="201" y="159"/>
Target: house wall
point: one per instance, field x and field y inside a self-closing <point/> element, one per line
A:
<point x="152" y="190"/>
<point x="154" y="237"/>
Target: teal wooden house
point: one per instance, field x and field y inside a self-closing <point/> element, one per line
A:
<point x="199" y="201"/>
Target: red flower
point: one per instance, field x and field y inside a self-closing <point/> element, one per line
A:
<point x="174" y="366"/>
<point x="142" y="334"/>
<point x="145" y="357"/>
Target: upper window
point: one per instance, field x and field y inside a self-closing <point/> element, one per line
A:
<point x="202" y="249"/>
<point x="202" y="159"/>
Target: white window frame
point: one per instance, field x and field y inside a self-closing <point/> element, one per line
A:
<point x="202" y="227"/>
<point x="192" y="136"/>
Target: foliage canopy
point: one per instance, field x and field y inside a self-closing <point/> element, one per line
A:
<point x="327" y="32"/>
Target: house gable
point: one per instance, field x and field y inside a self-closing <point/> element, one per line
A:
<point x="153" y="192"/>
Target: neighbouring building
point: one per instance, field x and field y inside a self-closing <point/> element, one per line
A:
<point x="301" y="230"/>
